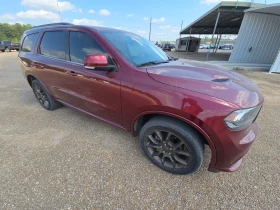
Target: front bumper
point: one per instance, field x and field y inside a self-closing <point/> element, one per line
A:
<point x="230" y="147"/>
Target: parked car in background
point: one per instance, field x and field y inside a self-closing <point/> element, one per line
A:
<point x="175" y="107"/>
<point x="212" y="46"/>
<point x="166" y="46"/>
<point x="15" y="46"/>
<point x="203" y="46"/>
<point x="8" y="46"/>
<point x="5" y="45"/>
<point x="226" y="47"/>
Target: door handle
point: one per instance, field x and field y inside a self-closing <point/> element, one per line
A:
<point x="37" y="65"/>
<point x="72" y="73"/>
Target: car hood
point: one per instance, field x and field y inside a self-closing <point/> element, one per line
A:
<point x="208" y="79"/>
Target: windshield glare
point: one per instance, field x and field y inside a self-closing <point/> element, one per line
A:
<point x="135" y="49"/>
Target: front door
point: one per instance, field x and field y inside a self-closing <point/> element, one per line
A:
<point x="95" y="92"/>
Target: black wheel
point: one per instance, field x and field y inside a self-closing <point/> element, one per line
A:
<point x="172" y="145"/>
<point x="2" y="50"/>
<point x="43" y="97"/>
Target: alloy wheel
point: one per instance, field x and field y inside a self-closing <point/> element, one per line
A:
<point x="168" y="149"/>
<point x="41" y="96"/>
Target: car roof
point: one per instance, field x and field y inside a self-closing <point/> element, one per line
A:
<point x="69" y="25"/>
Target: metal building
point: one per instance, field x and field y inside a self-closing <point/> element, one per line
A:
<point x="259" y="36"/>
<point x="225" y="18"/>
<point x="182" y="44"/>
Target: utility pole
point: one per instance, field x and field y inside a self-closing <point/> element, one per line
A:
<point x="236" y="4"/>
<point x="150" y="29"/>
<point x="181" y="29"/>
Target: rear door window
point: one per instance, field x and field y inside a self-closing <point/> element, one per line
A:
<point x="29" y="42"/>
<point x="53" y="44"/>
<point x="82" y="44"/>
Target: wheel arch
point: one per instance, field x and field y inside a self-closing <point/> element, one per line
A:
<point x="30" y="78"/>
<point x="142" y="118"/>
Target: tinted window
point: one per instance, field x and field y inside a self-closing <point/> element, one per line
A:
<point x="53" y="44"/>
<point x="29" y="42"/>
<point x="82" y="44"/>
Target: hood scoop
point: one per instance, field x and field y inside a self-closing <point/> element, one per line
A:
<point x="221" y="79"/>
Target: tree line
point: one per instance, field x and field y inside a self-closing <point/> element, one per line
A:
<point x="12" y="32"/>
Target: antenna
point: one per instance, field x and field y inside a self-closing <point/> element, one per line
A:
<point x="150" y="29"/>
<point x="58" y="11"/>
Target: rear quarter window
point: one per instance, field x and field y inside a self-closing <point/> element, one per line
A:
<point x="53" y="44"/>
<point x="29" y="42"/>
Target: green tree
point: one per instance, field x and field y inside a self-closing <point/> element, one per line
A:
<point x="13" y="32"/>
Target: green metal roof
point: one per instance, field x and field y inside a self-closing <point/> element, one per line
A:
<point x="231" y="16"/>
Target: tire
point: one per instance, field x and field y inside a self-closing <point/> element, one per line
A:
<point x="182" y="154"/>
<point x="43" y="96"/>
<point x="2" y="50"/>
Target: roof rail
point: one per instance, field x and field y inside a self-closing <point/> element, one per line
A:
<point x="52" y="24"/>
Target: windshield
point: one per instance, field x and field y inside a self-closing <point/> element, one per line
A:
<point x="135" y="49"/>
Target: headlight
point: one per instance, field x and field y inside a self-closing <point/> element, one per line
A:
<point x="242" y="118"/>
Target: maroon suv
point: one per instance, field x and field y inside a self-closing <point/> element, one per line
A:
<point x="175" y="106"/>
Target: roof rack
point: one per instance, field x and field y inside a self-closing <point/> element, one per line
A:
<point x="52" y="24"/>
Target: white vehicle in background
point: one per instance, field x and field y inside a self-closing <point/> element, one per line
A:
<point x="203" y="46"/>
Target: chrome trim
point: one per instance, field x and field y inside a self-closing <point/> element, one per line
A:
<point x="93" y="67"/>
<point x="90" y="67"/>
<point x="59" y="59"/>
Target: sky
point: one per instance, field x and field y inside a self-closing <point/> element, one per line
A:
<point x="130" y="15"/>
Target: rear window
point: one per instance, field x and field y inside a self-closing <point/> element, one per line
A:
<point x="29" y="42"/>
<point x="53" y="44"/>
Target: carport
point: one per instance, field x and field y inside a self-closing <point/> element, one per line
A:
<point x="223" y="19"/>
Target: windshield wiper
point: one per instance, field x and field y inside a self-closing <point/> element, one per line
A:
<point x="172" y="59"/>
<point x="151" y="63"/>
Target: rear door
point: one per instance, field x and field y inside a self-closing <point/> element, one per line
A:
<point x="49" y="64"/>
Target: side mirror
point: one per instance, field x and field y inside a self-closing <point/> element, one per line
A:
<point x="98" y="62"/>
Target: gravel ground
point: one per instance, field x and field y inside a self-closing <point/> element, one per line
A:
<point x="67" y="160"/>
